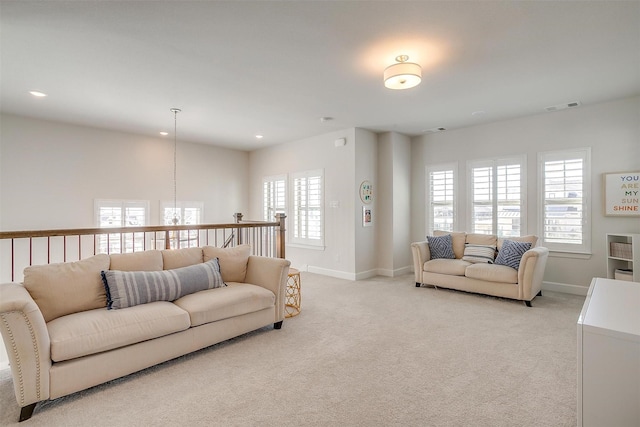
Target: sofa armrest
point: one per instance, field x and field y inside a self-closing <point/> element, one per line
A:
<point x="270" y="273"/>
<point x="421" y="254"/>
<point x="531" y="272"/>
<point x="26" y="339"/>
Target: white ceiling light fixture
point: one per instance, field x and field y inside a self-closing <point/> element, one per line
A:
<point x="403" y="75"/>
<point x="37" y="94"/>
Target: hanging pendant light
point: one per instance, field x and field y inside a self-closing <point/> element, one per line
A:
<point x="403" y="75"/>
<point x="175" y="112"/>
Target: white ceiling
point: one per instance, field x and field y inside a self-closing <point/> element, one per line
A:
<point x="241" y="68"/>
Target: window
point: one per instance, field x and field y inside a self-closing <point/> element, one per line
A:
<point x="564" y="199"/>
<point x="273" y="197"/>
<point x="121" y="213"/>
<point x="497" y="191"/>
<point x="308" y="208"/>
<point x="187" y="213"/>
<point x="440" y="197"/>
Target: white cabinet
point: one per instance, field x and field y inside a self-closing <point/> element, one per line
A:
<point x="623" y="253"/>
<point x="609" y="355"/>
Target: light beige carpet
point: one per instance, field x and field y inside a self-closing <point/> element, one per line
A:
<point x="377" y="352"/>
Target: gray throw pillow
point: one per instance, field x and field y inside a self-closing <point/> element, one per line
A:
<point x="441" y="246"/>
<point x="511" y="253"/>
<point x="129" y="288"/>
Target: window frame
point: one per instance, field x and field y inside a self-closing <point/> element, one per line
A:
<point x="495" y="201"/>
<point x="584" y="154"/>
<point x="294" y="238"/>
<point x="121" y="240"/>
<point x="429" y="203"/>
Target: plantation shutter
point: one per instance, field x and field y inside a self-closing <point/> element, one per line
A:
<point x="273" y="197"/>
<point x="441" y="200"/>
<point x="482" y="203"/>
<point x="563" y="201"/>
<point x="308" y="208"/>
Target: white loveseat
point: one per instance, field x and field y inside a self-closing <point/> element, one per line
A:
<point x="61" y="338"/>
<point x="524" y="283"/>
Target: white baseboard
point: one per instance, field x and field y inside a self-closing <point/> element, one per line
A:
<point x="394" y="273"/>
<point x="565" y="288"/>
<point x="332" y="273"/>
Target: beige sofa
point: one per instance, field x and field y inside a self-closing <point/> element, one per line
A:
<point x="523" y="284"/>
<point x="61" y="338"/>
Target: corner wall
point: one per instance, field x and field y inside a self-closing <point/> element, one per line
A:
<point x="611" y="129"/>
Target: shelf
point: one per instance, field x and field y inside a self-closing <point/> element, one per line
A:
<point x="619" y="263"/>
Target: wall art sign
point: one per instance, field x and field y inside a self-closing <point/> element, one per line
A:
<point x="366" y="192"/>
<point x="622" y="194"/>
<point x="367" y="219"/>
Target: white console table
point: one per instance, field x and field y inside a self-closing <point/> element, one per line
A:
<point x="609" y="355"/>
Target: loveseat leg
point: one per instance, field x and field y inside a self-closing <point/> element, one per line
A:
<point x="528" y="303"/>
<point x="539" y="294"/>
<point x="277" y="325"/>
<point x="26" y="412"/>
<point x="418" y="284"/>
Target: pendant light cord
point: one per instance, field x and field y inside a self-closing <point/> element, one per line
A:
<point x="175" y="164"/>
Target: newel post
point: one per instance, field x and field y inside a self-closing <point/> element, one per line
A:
<point x="238" y="218"/>
<point x="280" y="235"/>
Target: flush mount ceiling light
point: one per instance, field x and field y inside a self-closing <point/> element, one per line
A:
<point x="38" y="94"/>
<point x="403" y="75"/>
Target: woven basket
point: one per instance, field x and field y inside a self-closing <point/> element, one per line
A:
<point x="621" y="250"/>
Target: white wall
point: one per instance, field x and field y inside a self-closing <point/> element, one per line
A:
<point x="337" y="162"/>
<point x="394" y="160"/>
<point x="50" y="174"/>
<point x="612" y="130"/>
<point x="366" y="239"/>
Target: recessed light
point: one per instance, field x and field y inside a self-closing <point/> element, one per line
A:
<point x="259" y="136"/>
<point x="37" y="94"/>
<point x="164" y="133"/>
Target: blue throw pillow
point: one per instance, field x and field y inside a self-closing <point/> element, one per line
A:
<point x="129" y="288"/>
<point x="441" y="247"/>
<point x="511" y="253"/>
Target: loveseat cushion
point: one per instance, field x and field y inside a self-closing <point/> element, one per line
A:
<point x="233" y="261"/>
<point x="492" y="273"/>
<point x="452" y="267"/>
<point x="95" y="331"/>
<point x="482" y="239"/>
<point x="150" y="260"/>
<point x="177" y="258"/>
<point x="68" y="287"/>
<point x="526" y="239"/>
<point x="234" y="300"/>
<point x="129" y="288"/>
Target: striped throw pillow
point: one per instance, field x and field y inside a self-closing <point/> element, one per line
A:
<point x="479" y="253"/>
<point x="511" y="253"/>
<point x="129" y="288"/>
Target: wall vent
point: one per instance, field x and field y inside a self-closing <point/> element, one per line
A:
<point x="433" y="130"/>
<point x="563" y="106"/>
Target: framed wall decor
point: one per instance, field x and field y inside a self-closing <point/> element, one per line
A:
<point x="367" y="219"/>
<point x="621" y="193"/>
<point x="366" y="192"/>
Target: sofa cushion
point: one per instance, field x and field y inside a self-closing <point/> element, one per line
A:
<point x="129" y="288"/>
<point x="137" y="261"/>
<point x="479" y="253"/>
<point x="217" y="304"/>
<point x="233" y="261"/>
<point x="177" y="258"/>
<point x="68" y="287"/>
<point x="458" y="237"/>
<point x="95" y="331"/>
<point x="453" y="267"/>
<point x="527" y="239"/>
<point x="441" y="247"/>
<point x="492" y="273"/>
<point x="511" y="253"/>
<point x="482" y="239"/>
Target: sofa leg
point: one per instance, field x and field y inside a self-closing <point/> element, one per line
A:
<point x="418" y="284"/>
<point x="539" y="294"/>
<point x="277" y="325"/>
<point x="26" y="412"/>
<point x="528" y="303"/>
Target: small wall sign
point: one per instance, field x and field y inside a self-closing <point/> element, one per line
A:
<point x="366" y="192"/>
<point x="622" y="194"/>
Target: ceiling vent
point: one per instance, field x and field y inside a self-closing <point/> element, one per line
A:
<point x="433" y="130"/>
<point x="563" y="106"/>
